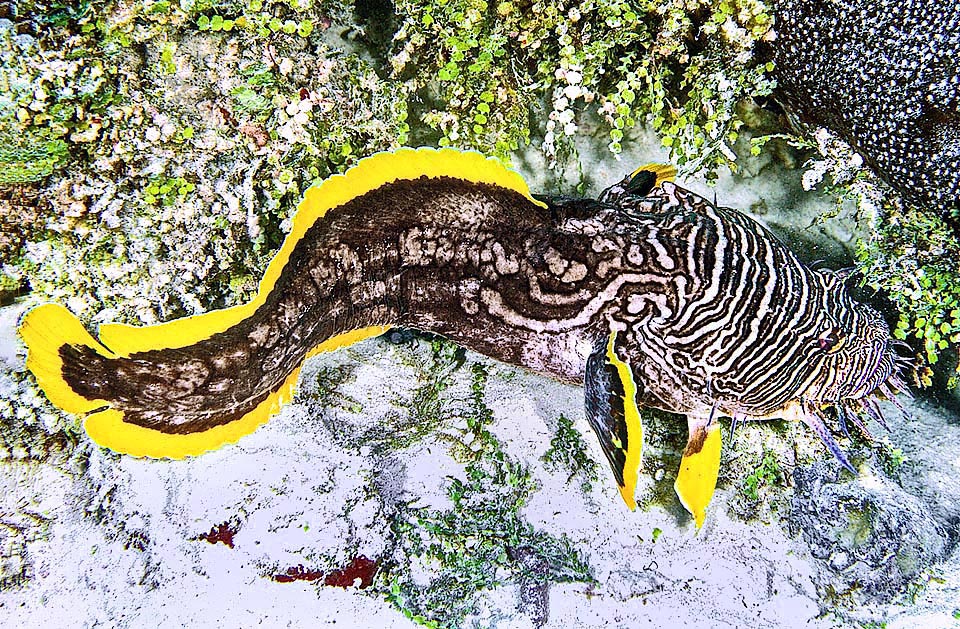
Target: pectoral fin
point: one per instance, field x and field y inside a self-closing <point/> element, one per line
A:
<point x="613" y="414"/>
<point x="700" y="466"/>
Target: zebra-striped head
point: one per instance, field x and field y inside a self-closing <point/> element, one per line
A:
<point x="736" y="324"/>
<point x="857" y="350"/>
<point x="859" y="362"/>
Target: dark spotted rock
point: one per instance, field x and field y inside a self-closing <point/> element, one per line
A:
<point x="882" y="74"/>
<point x="872" y="538"/>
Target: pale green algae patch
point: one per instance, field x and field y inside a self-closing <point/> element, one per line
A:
<point x="441" y="560"/>
<point x="679" y="65"/>
<point x="189" y="149"/>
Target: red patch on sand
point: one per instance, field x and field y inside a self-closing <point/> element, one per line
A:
<point x="220" y="533"/>
<point x="360" y="568"/>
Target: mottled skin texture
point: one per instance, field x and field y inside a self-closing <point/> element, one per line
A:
<point x="712" y="312"/>
<point x="883" y="75"/>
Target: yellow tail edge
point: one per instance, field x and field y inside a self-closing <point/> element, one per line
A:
<point x="109" y="430"/>
<point x="47" y="328"/>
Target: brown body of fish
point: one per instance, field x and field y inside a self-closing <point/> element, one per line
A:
<point x="710" y="314"/>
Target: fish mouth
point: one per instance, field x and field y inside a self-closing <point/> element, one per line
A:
<point x="885" y="382"/>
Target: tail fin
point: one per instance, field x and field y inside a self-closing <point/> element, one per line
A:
<point x="45" y="330"/>
<point x="63" y="357"/>
<point x="191" y="385"/>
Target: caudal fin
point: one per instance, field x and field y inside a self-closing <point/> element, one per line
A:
<point x="46" y="331"/>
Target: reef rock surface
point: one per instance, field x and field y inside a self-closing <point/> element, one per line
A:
<point x="883" y="75"/>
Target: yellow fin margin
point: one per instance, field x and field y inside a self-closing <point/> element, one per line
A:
<point x="631" y="414"/>
<point x="47" y="328"/>
<point x="697" y="478"/>
<point x="369" y="174"/>
<point x="664" y="172"/>
<point x="44" y="330"/>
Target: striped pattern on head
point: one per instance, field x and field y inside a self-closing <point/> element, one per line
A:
<point x="745" y="326"/>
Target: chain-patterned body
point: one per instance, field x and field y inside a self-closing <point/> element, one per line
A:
<point x="652" y="296"/>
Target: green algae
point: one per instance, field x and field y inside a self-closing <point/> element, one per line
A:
<point x="766" y="474"/>
<point x="129" y="93"/>
<point x="913" y="257"/>
<point x="679" y="66"/>
<point x="481" y="542"/>
<point x="427" y="411"/>
<point x="326" y="390"/>
<point x="568" y="451"/>
<point x="31" y="159"/>
<point x="442" y="563"/>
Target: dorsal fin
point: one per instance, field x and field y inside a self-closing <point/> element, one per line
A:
<point x="63" y="355"/>
<point x="648" y="177"/>
<point x="369" y="174"/>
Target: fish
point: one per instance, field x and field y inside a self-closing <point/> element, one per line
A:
<point x="649" y="296"/>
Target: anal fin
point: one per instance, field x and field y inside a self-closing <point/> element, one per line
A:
<point x="613" y="413"/>
<point x="700" y="466"/>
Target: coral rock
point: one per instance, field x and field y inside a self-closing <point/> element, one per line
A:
<point x="883" y="75"/>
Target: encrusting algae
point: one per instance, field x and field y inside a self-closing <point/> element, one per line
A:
<point x="650" y="295"/>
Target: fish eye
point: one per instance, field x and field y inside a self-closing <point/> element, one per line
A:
<point x="831" y="340"/>
<point x="642" y="183"/>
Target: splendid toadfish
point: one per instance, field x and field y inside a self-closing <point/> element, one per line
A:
<point x="650" y="295"/>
